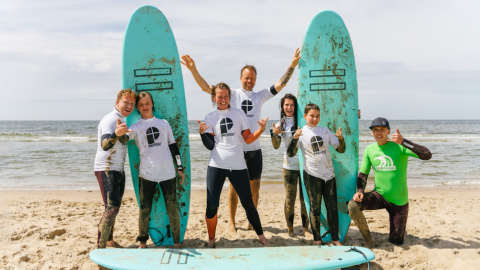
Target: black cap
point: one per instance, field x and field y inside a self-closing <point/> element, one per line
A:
<point x="380" y="122"/>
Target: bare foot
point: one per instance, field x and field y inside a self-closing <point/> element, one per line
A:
<point x="306" y="232"/>
<point x="232" y="229"/>
<point x="263" y="240"/>
<point x="211" y="243"/>
<point x="290" y="232"/>
<point x="143" y="246"/>
<point x="337" y="243"/>
<point x="317" y="243"/>
<point x="177" y="246"/>
<point x="249" y="226"/>
<point x="111" y="243"/>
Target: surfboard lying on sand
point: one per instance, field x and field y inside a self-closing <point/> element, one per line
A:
<point x="298" y="257"/>
<point x="328" y="77"/>
<point x="151" y="63"/>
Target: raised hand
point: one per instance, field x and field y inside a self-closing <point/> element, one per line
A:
<point x="277" y="130"/>
<point x="121" y="129"/>
<point x="263" y="123"/>
<point x="188" y="62"/>
<point x="296" y="57"/>
<point x="182" y="175"/>
<point x="339" y="134"/>
<point x="397" y="138"/>
<point x="298" y="133"/>
<point x="202" y="127"/>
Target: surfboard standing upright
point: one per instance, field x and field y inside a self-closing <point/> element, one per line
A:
<point x="328" y="78"/>
<point x="151" y="63"/>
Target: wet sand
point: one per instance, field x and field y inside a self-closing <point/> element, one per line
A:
<point x="58" y="229"/>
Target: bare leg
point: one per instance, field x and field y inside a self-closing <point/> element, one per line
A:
<point x="290" y="232"/>
<point x="177" y="246"/>
<point x="144" y="245"/>
<point x="111" y="243"/>
<point x="360" y="221"/>
<point x="255" y="186"/>
<point x="232" y="208"/>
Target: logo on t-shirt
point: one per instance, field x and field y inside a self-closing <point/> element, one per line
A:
<point x="247" y="106"/>
<point x="317" y="143"/>
<point x="386" y="164"/>
<point x="152" y="134"/>
<point x="225" y="125"/>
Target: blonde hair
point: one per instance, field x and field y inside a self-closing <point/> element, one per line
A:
<point x="126" y="93"/>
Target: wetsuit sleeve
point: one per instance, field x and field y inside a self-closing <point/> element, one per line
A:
<point x="292" y="148"/>
<point x="361" y="182"/>
<point x="364" y="171"/>
<point x="176" y="155"/>
<point x="341" y="146"/>
<point x="108" y="141"/>
<point x="415" y="150"/>
<point x="208" y="140"/>
<point x="276" y="140"/>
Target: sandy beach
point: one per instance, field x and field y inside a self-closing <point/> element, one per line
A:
<point x="58" y="229"/>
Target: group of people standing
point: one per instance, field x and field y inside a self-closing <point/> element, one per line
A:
<point x="231" y="133"/>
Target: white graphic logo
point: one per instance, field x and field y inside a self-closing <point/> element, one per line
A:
<point x="386" y="164"/>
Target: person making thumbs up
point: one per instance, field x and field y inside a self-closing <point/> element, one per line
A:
<point x="389" y="159"/>
<point x="318" y="172"/>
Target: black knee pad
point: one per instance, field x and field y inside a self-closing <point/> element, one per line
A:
<point x="211" y="210"/>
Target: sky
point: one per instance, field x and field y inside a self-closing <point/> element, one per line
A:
<point x="61" y="60"/>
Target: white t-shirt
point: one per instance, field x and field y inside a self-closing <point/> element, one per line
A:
<point x="114" y="158"/>
<point x="227" y="126"/>
<point x="289" y="163"/>
<point x="251" y="104"/>
<point x="153" y="136"/>
<point x="316" y="156"/>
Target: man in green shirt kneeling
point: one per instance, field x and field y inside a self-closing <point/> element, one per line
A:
<point x="389" y="159"/>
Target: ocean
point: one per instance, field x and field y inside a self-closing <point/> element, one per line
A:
<point x="59" y="155"/>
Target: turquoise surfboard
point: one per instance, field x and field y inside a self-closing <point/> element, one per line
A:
<point x="328" y="77"/>
<point x="151" y="63"/>
<point x="299" y="257"/>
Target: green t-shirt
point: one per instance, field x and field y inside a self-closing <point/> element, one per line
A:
<point x="389" y="163"/>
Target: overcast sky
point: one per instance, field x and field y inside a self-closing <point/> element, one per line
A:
<point x="61" y="60"/>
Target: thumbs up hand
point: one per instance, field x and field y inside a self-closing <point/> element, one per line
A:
<point x="397" y="138"/>
<point x="339" y="134"/>
<point x="277" y="130"/>
<point x="121" y="128"/>
<point x="298" y="133"/>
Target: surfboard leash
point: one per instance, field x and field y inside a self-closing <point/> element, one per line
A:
<point x="160" y="242"/>
<point x="357" y="250"/>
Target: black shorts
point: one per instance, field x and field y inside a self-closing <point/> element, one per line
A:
<point x="254" y="162"/>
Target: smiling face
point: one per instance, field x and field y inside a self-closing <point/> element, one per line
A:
<point x="221" y="98"/>
<point x="380" y="134"/>
<point x="289" y="107"/>
<point x="145" y="106"/>
<point x="248" y="79"/>
<point x="312" y="117"/>
<point x="125" y="105"/>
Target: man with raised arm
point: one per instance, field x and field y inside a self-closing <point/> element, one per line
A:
<point x="389" y="159"/>
<point x="251" y="103"/>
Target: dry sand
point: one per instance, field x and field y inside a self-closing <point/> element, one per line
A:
<point x="58" y="229"/>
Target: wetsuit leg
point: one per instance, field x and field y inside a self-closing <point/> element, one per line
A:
<point x="314" y="188"/>
<point x="215" y="180"/>
<point x="398" y="222"/>
<point x="330" y="199"/>
<point x="146" y="190"/>
<point x="290" y="179"/>
<point x="254" y="161"/>
<point x="169" y="190"/>
<point x="371" y="201"/>
<point x="303" y="208"/>
<point x="240" y="181"/>
<point x="112" y="187"/>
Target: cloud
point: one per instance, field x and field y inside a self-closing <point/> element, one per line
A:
<point x="414" y="59"/>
